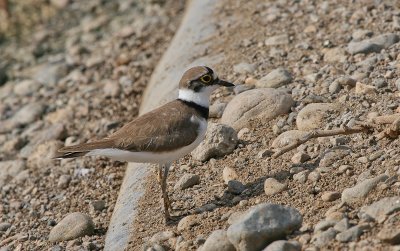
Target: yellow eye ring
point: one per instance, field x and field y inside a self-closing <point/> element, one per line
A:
<point x="206" y="78"/>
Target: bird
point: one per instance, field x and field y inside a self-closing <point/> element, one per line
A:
<point x="162" y="135"/>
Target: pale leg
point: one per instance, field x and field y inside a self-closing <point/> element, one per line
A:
<point x="162" y="179"/>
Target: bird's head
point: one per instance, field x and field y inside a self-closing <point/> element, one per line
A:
<point x="198" y="83"/>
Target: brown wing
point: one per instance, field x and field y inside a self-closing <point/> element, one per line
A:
<point x="163" y="129"/>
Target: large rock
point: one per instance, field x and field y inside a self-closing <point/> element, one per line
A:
<point x="262" y="225"/>
<point x="264" y="104"/>
<point x="375" y="44"/>
<point x="276" y="78"/>
<point x="9" y="169"/>
<point x="380" y="209"/>
<point x="220" y="140"/>
<point x="71" y="227"/>
<point x="358" y="193"/>
<point x="314" y="116"/>
<point x="218" y="241"/>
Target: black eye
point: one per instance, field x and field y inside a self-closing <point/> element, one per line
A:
<point x="206" y="78"/>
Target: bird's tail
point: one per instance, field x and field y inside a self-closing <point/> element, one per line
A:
<point x="81" y="149"/>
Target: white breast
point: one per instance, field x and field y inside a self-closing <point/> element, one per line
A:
<point x="155" y="157"/>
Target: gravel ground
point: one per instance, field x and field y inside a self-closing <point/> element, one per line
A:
<point x="316" y="42"/>
<point x="79" y="75"/>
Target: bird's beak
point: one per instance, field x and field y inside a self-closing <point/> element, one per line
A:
<point x="224" y="83"/>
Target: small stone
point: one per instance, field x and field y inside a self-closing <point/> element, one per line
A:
<point x="324" y="225"/>
<point x="276" y="78"/>
<point x="235" y="187"/>
<point x="229" y="174"/>
<point x="244" y="68"/>
<point x="242" y="88"/>
<point x="361" y="190"/>
<point x="330" y="196"/>
<point x="161" y="236"/>
<point x="314" y="176"/>
<point x="321" y="239"/>
<point x="380" y="209"/>
<point x="334" y="87"/>
<point x="263" y="224"/>
<point x="301" y="176"/>
<point x="10" y="169"/>
<point x="187" y="223"/>
<point x="63" y="181"/>
<point x="244" y="133"/>
<point x="186" y="181"/>
<point x="220" y="140"/>
<point x="351" y="234"/>
<point x="26" y="87"/>
<point x="375" y="44"/>
<point x="342" y="225"/>
<point x="287" y="138"/>
<point x="365" y="89"/>
<point x="28" y="113"/>
<point x="112" y="89"/>
<point x="273" y="186"/>
<point x="265" y="153"/>
<point x="300" y="157"/>
<point x="71" y="227"/>
<point x="379" y="83"/>
<point x="390" y="235"/>
<point x="98" y="205"/>
<point x="333" y="55"/>
<point x="282" y="39"/>
<point x="218" y="241"/>
<point x="282" y="245"/>
<point x="4" y="226"/>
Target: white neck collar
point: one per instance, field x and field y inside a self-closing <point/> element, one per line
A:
<point x="201" y="98"/>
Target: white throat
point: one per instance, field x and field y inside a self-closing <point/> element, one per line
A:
<point x="201" y="98"/>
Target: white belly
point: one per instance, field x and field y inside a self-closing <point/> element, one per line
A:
<point x="153" y="157"/>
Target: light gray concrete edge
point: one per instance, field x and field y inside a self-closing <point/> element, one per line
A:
<point x="192" y="38"/>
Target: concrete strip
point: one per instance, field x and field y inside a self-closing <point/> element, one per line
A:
<point x="192" y="38"/>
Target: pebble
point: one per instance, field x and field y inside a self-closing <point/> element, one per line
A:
<point x="301" y="176"/>
<point x="4" y="226"/>
<point x="242" y="88"/>
<point x="364" y="89"/>
<point x="390" y="235"/>
<point x="273" y="186"/>
<point x="361" y="190"/>
<point x="282" y="245"/>
<point x="235" y="187"/>
<point x="244" y="68"/>
<point x="314" y="116"/>
<point x="186" y="181"/>
<point x="9" y="170"/>
<point x="263" y="103"/>
<point x="229" y="174"/>
<point x="63" y="181"/>
<point x="300" y="157"/>
<point x="379" y="210"/>
<point x="375" y="44"/>
<point x="324" y="225"/>
<point x="218" y="241"/>
<point x="28" y="113"/>
<point x="281" y="39"/>
<point x="276" y="78"/>
<point x="187" y="223"/>
<point x="330" y="196"/>
<point x="219" y="141"/>
<point x="263" y="224"/>
<point x="160" y="237"/>
<point x="50" y="74"/>
<point x="43" y="153"/>
<point x="26" y="87"/>
<point x="342" y="225"/>
<point x="352" y="233"/>
<point x="321" y="239"/>
<point x="333" y="55"/>
<point x="111" y="89"/>
<point x="71" y="227"/>
<point x="98" y="205"/>
<point x="314" y="176"/>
